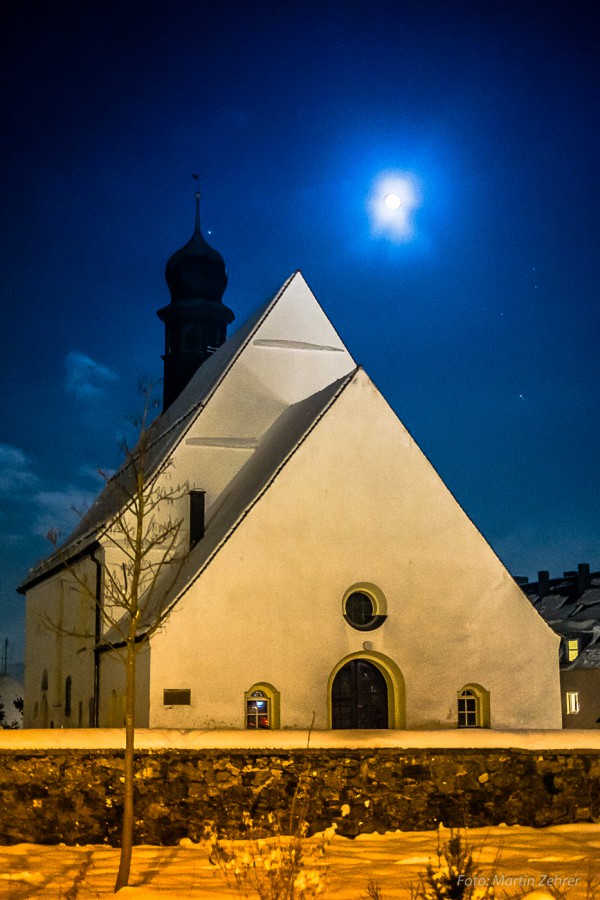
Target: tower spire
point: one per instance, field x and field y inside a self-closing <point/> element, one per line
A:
<point x="196" y="319"/>
<point x="197" y="223"/>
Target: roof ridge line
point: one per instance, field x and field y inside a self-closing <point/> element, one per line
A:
<point x="203" y="403"/>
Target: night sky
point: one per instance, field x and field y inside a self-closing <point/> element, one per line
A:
<point x="480" y="325"/>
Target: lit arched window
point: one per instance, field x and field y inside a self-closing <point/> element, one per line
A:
<point x="473" y="707"/>
<point x="258" y="712"/>
<point x="261" y="706"/>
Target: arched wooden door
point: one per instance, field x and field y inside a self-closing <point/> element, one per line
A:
<point x="359" y="696"/>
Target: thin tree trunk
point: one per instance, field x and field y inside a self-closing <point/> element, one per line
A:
<point x="127" y="823"/>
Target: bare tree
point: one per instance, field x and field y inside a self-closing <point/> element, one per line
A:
<point x="145" y="554"/>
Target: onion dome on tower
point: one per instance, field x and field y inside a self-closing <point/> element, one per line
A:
<point x="196" y="319"/>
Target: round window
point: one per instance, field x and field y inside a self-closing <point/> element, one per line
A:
<point x="359" y="608"/>
<point x="362" y="611"/>
<point x="364" y="606"/>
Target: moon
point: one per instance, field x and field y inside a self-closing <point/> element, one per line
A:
<point x="391" y="205"/>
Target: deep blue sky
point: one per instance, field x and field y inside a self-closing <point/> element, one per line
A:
<point x="482" y="330"/>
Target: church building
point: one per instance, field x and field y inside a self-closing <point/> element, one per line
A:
<point x="328" y="571"/>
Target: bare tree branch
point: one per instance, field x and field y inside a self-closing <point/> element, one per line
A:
<point x="143" y="552"/>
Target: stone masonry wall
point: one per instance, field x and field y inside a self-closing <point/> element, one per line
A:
<point x="75" y="797"/>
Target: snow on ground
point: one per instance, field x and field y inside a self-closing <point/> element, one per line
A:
<point x="516" y="860"/>
<point x="191" y="739"/>
<point x="520" y="859"/>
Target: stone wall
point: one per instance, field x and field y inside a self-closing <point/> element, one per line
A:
<point x="75" y="797"/>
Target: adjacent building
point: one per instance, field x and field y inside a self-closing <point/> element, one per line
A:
<point x="571" y="606"/>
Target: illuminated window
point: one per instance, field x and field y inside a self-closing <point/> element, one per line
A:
<point x="572" y="649"/>
<point x="364" y="607"/>
<point x="572" y="702"/>
<point x="473" y="707"/>
<point x="261" y="706"/>
<point x="258" y="714"/>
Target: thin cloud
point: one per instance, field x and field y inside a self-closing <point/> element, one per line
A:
<point x="98" y="475"/>
<point x="85" y="378"/>
<point x="15" y="474"/>
<point x="60" y="511"/>
<point x="11" y="540"/>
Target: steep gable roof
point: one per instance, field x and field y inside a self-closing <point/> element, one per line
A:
<point x="277" y="446"/>
<point x="287" y="322"/>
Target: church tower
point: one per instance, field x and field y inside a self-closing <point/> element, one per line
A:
<point x="196" y="319"/>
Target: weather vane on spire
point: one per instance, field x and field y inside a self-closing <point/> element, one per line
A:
<point x="197" y="180"/>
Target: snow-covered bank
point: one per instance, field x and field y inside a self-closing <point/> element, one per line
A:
<point x="520" y="859"/>
<point x="156" y="739"/>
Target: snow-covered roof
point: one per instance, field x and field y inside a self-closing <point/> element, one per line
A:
<point x="272" y="453"/>
<point x="553" y="605"/>
<point x="589" y="659"/>
<point x="572" y="612"/>
<point x="171" y="427"/>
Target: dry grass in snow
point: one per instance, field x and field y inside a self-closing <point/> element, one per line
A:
<point x="558" y="862"/>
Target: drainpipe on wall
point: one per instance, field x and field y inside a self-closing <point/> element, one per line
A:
<point x="97" y="636"/>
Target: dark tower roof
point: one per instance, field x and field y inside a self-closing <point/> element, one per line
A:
<point x="197" y="270"/>
<point x="196" y="319"/>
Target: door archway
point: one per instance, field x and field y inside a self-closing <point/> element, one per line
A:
<point x="359" y="696"/>
<point x="366" y="690"/>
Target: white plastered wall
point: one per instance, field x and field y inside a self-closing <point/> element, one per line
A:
<point x="357" y="502"/>
<point x="59" y="638"/>
<point x="112" y="688"/>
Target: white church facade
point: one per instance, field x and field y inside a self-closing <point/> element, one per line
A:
<point x="332" y="573"/>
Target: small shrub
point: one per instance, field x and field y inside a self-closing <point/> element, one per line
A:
<point x="279" y="867"/>
<point x="373" y="891"/>
<point x="455" y="875"/>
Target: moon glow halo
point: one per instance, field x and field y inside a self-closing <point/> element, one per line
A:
<point x="391" y="203"/>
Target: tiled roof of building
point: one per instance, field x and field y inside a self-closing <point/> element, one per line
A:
<point x="570" y="604"/>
